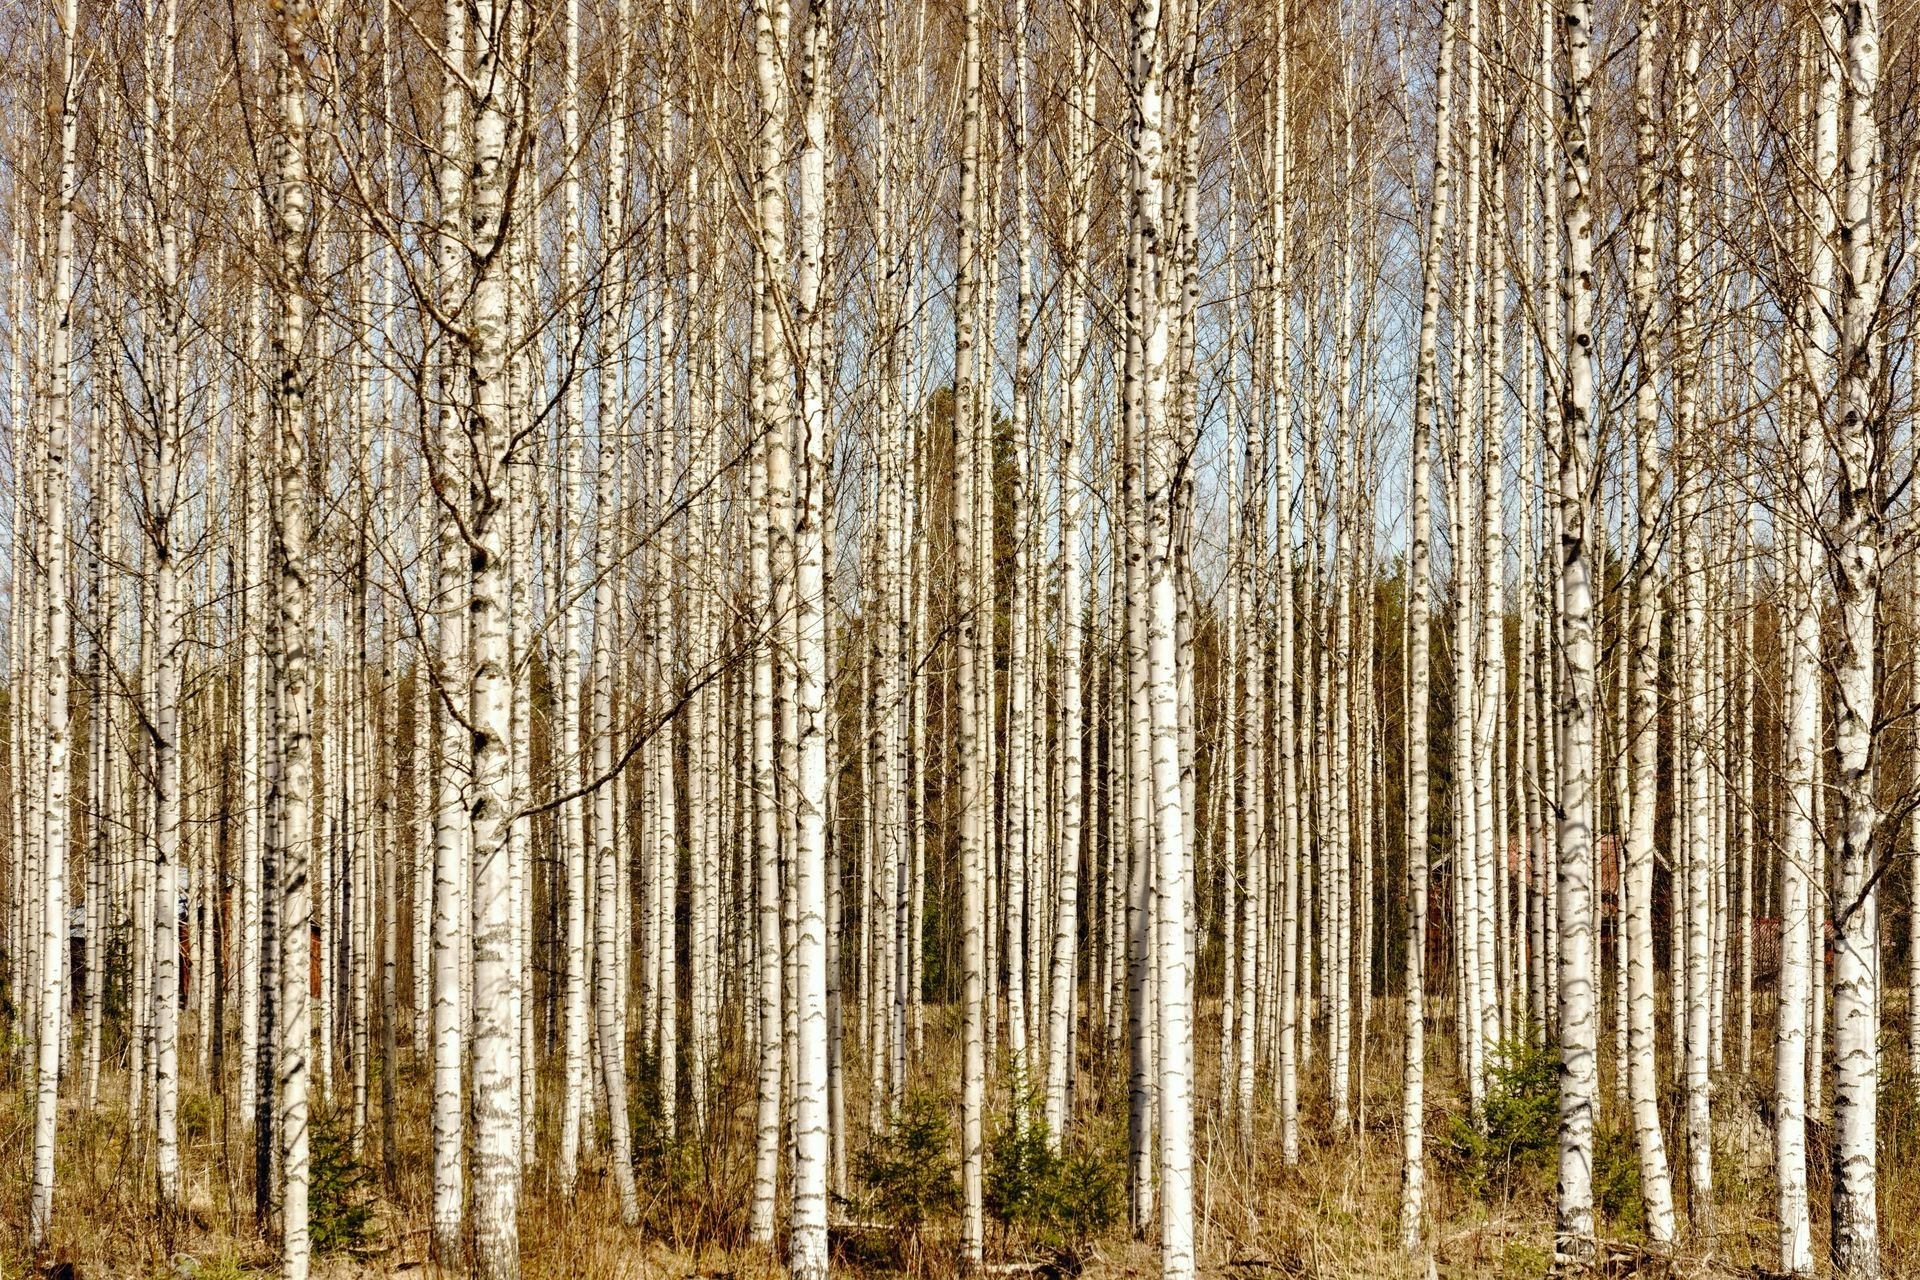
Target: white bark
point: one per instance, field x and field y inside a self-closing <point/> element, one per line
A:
<point x="571" y="501"/>
<point x="1799" y="887"/>
<point x="1340" y="657"/>
<point x="1694" y="853"/>
<point x="974" y="789"/>
<point x="1419" y="688"/>
<point x="53" y="998"/>
<point x="611" y="898"/>
<point x="772" y="399"/>
<point x="1174" y="1048"/>
<point x="294" y="825"/>
<point x="496" y="978"/>
<point x="450" y="829"/>
<point x="1574" y="1238"/>
<point x="766" y="837"/>
<point x="811" y="862"/>
<point x="1855" y="566"/>
<point x="1643" y="729"/>
<point x="162" y="633"/>
<point x="1288" y="843"/>
<point x="1061" y="1010"/>
<point x="1018" y="808"/>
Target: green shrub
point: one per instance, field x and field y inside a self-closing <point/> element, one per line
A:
<point x="1516" y="1133"/>
<point x="1020" y="1171"/>
<point x="908" y="1170"/>
<point x="1060" y="1198"/>
<point x="225" y="1265"/>
<point x="339" y="1208"/>
<point x="1616" y="1178"/>
<point x="194" y="1116"/>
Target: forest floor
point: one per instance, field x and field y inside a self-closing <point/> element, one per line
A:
<point x="1333" y="1216"/>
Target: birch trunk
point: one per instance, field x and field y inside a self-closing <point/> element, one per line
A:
<point x="496" y="1038"/>
<point x="1579" y="1032"/>
<point x="1061" y="1013"/>
<point x="1419" y="677"/>
<point x="1804" y="662"/>
<point x="450" y="832"/>
<point x="1695" y="852"/>
<point x="974" y="790"/>
<point x="289" y="530"/>
<point x="812" y="862"/>
<point x="1643" y="731"/>
<point x="1174" y="1050"/>
<point x="165" y="366"/>
<point x="610" y="889"/>
<point x="1855" y="567"/>
<point x="50" y="1035"/>
<point x="571" y="501"/>
<point x="1288" y="843"/>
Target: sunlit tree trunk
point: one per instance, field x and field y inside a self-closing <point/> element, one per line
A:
<point x="103" y="793"/>
<point x="1340" y="656"/>
<point x="1643" y="730"/>
<point x="496" y="1037"/>
<point x="1288" y="842"/>
<point x="294" y="825"/>
<point x="1174" y="1048"/>
<point x="772" y="399"/>
<point x="1250" y="728"/>
<point x="162" y="630"/>
<point x="450" y="832"/>
<point x="811" y="520"/>
<point x="1693" y="797"/>
<point x="1419" y="675"/>
<point x="571" y="501"/>
<point x="1061" y="1011"/>
<point x="1861" y="443"/>
<point x="610" y="884"/>
<point x="766" y="838"/>
<point x="974" y="790"/>
<point x="1799" y="886"/>
<point x="50" y="1035"/>
<point x="1574" y="1239"/>
<point x="1018" y="807"/>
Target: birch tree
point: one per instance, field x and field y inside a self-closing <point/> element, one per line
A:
<point x="288" y="643"/>
<point x="1855" y="566"/>
<point x="1419" y="693"/>
<point x="51" y="1036"/>
<point x="969" y="784"/>
<point x="1644" y="663"/>
<point x="1577" y="1014"/>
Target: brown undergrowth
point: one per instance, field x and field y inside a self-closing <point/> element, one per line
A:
<point x="1332" y="1216"/>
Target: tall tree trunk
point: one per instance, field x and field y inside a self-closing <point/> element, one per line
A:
<point x="1061" y="1012"/>
<point x="165" y="365"/>
<point x="293" y="826"/>
<point x="496" y="978"/>
<point x="974" y="790"/>
<point x="1694" y="854"/>
<point x="571" y="500"/>
<point x="1643" y="731"/>
<point x="1419" y="675"/>
<point x="50" y="1035"/>
<point x="1862" y="447"/>
<point x="773" y="397"/>
<point x="811" y="520"/>
<point x="1798" y="938"/>
<point x="1574" y="1239"/>
<point x="1174" y="1048"/>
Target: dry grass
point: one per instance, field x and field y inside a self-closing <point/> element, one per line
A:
<point x="1335" y="1215"/>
